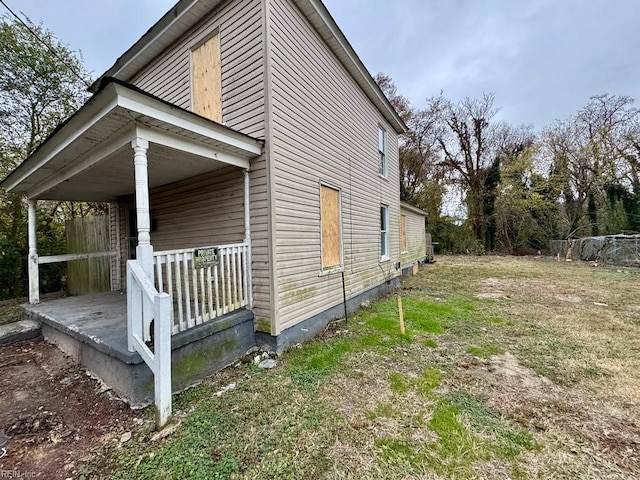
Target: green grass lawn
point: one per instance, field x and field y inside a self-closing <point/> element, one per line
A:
<point x="509" y="368"/>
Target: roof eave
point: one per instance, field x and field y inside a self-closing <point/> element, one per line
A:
<point x="352" y="62"/>
<point x="168" y="29"/>
<point x="97" y="103"/>
<point x="411" y="208"/>
<point x="114" y="93"/>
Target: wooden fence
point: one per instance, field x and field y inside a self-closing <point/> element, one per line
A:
<point x="88" y="234"/>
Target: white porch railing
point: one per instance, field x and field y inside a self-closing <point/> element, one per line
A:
<point x="145" y="305"/>
<point x="201" y="293"/>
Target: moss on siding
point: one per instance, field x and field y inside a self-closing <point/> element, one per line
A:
<point x="263" y="324"/>
<point x="299" y="295"/>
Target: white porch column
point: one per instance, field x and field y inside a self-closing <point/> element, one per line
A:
<point x="32" y="259"/>
<point x="247" y="236"/>
<point x="144" y="250"/>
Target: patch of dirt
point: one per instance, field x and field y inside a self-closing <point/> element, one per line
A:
<point x="493" y="288"/>
<point x="491" y="295"/>
<point x="568" y="298"/>
<point x="508" y="367"/>
<point x="52" y="413"/>
<point x="496" y="283"/>
<point x="539" y="405"/>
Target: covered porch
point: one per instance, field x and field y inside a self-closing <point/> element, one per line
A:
<point x="124" y="143"/>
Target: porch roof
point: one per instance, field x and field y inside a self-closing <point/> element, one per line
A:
<point x="89" y="156"/>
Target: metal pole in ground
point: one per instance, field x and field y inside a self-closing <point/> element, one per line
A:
<point x="344" y="297"/>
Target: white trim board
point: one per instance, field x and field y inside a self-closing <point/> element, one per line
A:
<point x="233" y="148"/>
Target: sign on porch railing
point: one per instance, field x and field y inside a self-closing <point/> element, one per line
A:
<point x="205" y="257"/>
<point x="203" y="283"/>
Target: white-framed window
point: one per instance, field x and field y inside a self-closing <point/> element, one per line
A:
<point x="384" y="232"/>
<point x="382" y="151"/>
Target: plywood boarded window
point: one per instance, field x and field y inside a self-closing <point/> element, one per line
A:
<point x="330" y="221"/>
<point x="403" y="232"/>
<point x="206" y="79"/>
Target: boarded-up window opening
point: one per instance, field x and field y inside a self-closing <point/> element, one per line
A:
<point x="330" y="220"/>
<point x="206" y="79"/>
<point x="403" y="232"/>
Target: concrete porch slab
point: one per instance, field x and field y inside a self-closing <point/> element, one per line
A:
<point x="97" y="319"/>
<point x="92" y="330"/>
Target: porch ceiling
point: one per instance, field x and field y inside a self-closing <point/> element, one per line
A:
<point x="89" y="157"/>
<point x="114" y="176"/>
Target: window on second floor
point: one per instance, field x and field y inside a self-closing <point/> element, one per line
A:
<point x="206" y="83"/>
<point x="382" y="151"/>
<point x="384" y="232"/>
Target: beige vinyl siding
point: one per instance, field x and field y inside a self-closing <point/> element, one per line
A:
<point x="240" y="26"/>
<point x="199" y="211"/>
<point x="416" y="237"/>
<point x="260" y="264"/>
<point x="325" y="129"/>
<point x="209" y="210"/>
<point x="239" y="23"/>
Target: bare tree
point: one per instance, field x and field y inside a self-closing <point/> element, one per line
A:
<point x="467" y="140"/>
<point x="390" y="90"/>
<point x="594" y="158"/>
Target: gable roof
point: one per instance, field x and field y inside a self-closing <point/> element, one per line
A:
<point x="185" y="14"/>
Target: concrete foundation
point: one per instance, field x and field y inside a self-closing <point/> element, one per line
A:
<point x="412" y="268"/>
<point x="91" y="329"/>
<point x="315" y="325"/>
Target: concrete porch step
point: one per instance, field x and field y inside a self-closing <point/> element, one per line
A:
<point x="19" y="331"/>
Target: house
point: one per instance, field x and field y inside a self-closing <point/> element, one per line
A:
<point x="251" y="166"/>
<point x="415" y="245"/>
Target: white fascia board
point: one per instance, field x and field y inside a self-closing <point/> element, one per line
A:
<point x="144" y="105"/>
<point x="96" y="155"/>
<point x="77" y="126"/>
<point x="134" y="53"/>
<point x="339" y="37"/>
<point x="190" y="146"/>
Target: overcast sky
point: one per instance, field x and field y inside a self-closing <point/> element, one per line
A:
<point x="542" y="58"/>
